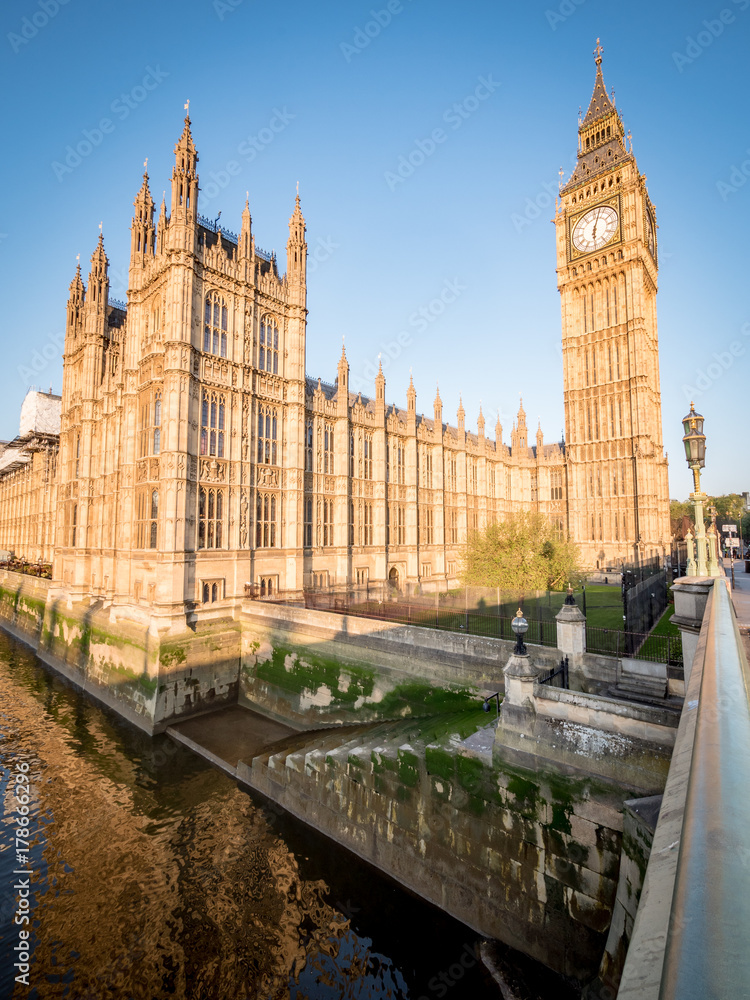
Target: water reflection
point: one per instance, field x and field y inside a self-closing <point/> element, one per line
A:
<point x="155" y="876"/>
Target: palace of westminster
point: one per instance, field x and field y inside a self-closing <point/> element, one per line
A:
<point x="190" y="454"/>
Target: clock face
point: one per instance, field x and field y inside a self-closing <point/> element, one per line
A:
<point x="595" y="229"/>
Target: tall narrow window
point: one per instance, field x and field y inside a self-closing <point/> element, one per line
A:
<point x="213" y="421"/>
<point x="268" y="356"/>
<point x="157" y="423"/>
<point x="328" y="449"/>
<point x="399" y="454"/>
<point x="368" y="532"/>
<point x="327" y="538"/>
<point x="78" y="458"/>
<point x="309" y="446"/>
<point x="265" y="526"/>
<point x="210" y="518"/>
<point x="586" y="359"/>
<point x="351" y="522"/>
<point x="351" y="455"/>
<point x="617" y="355"/>
<point x="267" y="435"/>
<point x="614" y="303"/>
<point x="367" y="456"/>
<point x="308" y="523"/>
<point x="585" y="315"/>
<point x="215" y="325"/>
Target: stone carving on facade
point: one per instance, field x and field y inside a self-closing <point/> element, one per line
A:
<point x="243" y="519"/>
<point x="267" y="478"/>
<point x="154" y="468"/>
<point x="213" y="471"/>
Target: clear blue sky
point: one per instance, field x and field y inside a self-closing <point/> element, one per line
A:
<point x="324" y="95"/>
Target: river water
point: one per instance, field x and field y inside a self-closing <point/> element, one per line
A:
<point x="152" y="874"/>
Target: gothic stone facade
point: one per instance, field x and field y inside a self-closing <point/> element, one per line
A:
<point x="196" y="456"/>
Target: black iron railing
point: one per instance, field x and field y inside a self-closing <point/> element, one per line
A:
<point x="639" y="645"/>
<point x="540" y="633"/>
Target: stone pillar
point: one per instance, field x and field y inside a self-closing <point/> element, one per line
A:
<point x="518" y="709"/>
<point x="690" y="597"/>
<point x="571" y="628"/>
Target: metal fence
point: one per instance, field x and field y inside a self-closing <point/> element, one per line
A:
<point x="639" y="645"/>
<point x="540" y="633"/>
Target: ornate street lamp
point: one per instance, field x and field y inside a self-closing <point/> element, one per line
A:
<point x="695" y="454"/>
<point x="520" y="626"/>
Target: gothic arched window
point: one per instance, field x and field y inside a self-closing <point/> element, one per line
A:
<point x="267" y="435"/>
<point x="268" y="355"/>
<point x="265" y="521"/>
<point x="213" y="424"/>
<point x="210" y="518"/>
<point x="215" y="325"/>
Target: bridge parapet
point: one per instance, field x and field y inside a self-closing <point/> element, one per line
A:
<point x="693" y="924"/>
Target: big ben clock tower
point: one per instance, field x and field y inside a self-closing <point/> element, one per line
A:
<point x="607" y="267"/>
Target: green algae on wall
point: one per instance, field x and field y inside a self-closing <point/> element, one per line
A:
<point x="325" y="687"/>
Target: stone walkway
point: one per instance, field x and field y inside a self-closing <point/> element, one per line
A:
<point x="740" y="598"/>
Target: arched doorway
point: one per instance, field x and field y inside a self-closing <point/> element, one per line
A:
<point x="393" y="582"/>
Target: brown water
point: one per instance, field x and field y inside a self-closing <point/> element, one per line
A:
<point x="154" y="875"/>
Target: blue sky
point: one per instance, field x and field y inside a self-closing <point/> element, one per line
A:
<point x="338" y="97"/>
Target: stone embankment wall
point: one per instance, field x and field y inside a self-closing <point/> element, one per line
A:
<point x="522" y="852"/>
<point x="149" y="679"/>
<point x="316" y="667"/>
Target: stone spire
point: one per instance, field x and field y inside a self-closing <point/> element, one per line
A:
<point x="380" y="383"/>
<point x="411" y="395"/>
<point x="498" y="431"/>
<point x="161" y="226"/>
<point x="76" y="302"/>
<point x="539" y="439"/>
<point x="480" y="422"/>
<point x="245" y="250"/>
<point x="142" y="229"/>
<point x="600" y="103"/>
<point x="185" y="177"/>
<point x="98" y="288"/>
<point x="343" y="383"/>
<point x="601" y="134"/>
<point x="461" y="415"/>
<point x="438" y="405"/>
<point x="296" y="248"/>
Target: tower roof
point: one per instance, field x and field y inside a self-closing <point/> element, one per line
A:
<point x="600" y="102"/>
<point x="601" y="144"/>
<point x="186" y="139"/>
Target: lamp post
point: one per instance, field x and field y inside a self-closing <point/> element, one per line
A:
<point x="695" y="454"/>
<point x="520" y="626"/>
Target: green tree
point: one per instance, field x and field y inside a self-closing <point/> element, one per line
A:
<point x="523" y="553"/>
